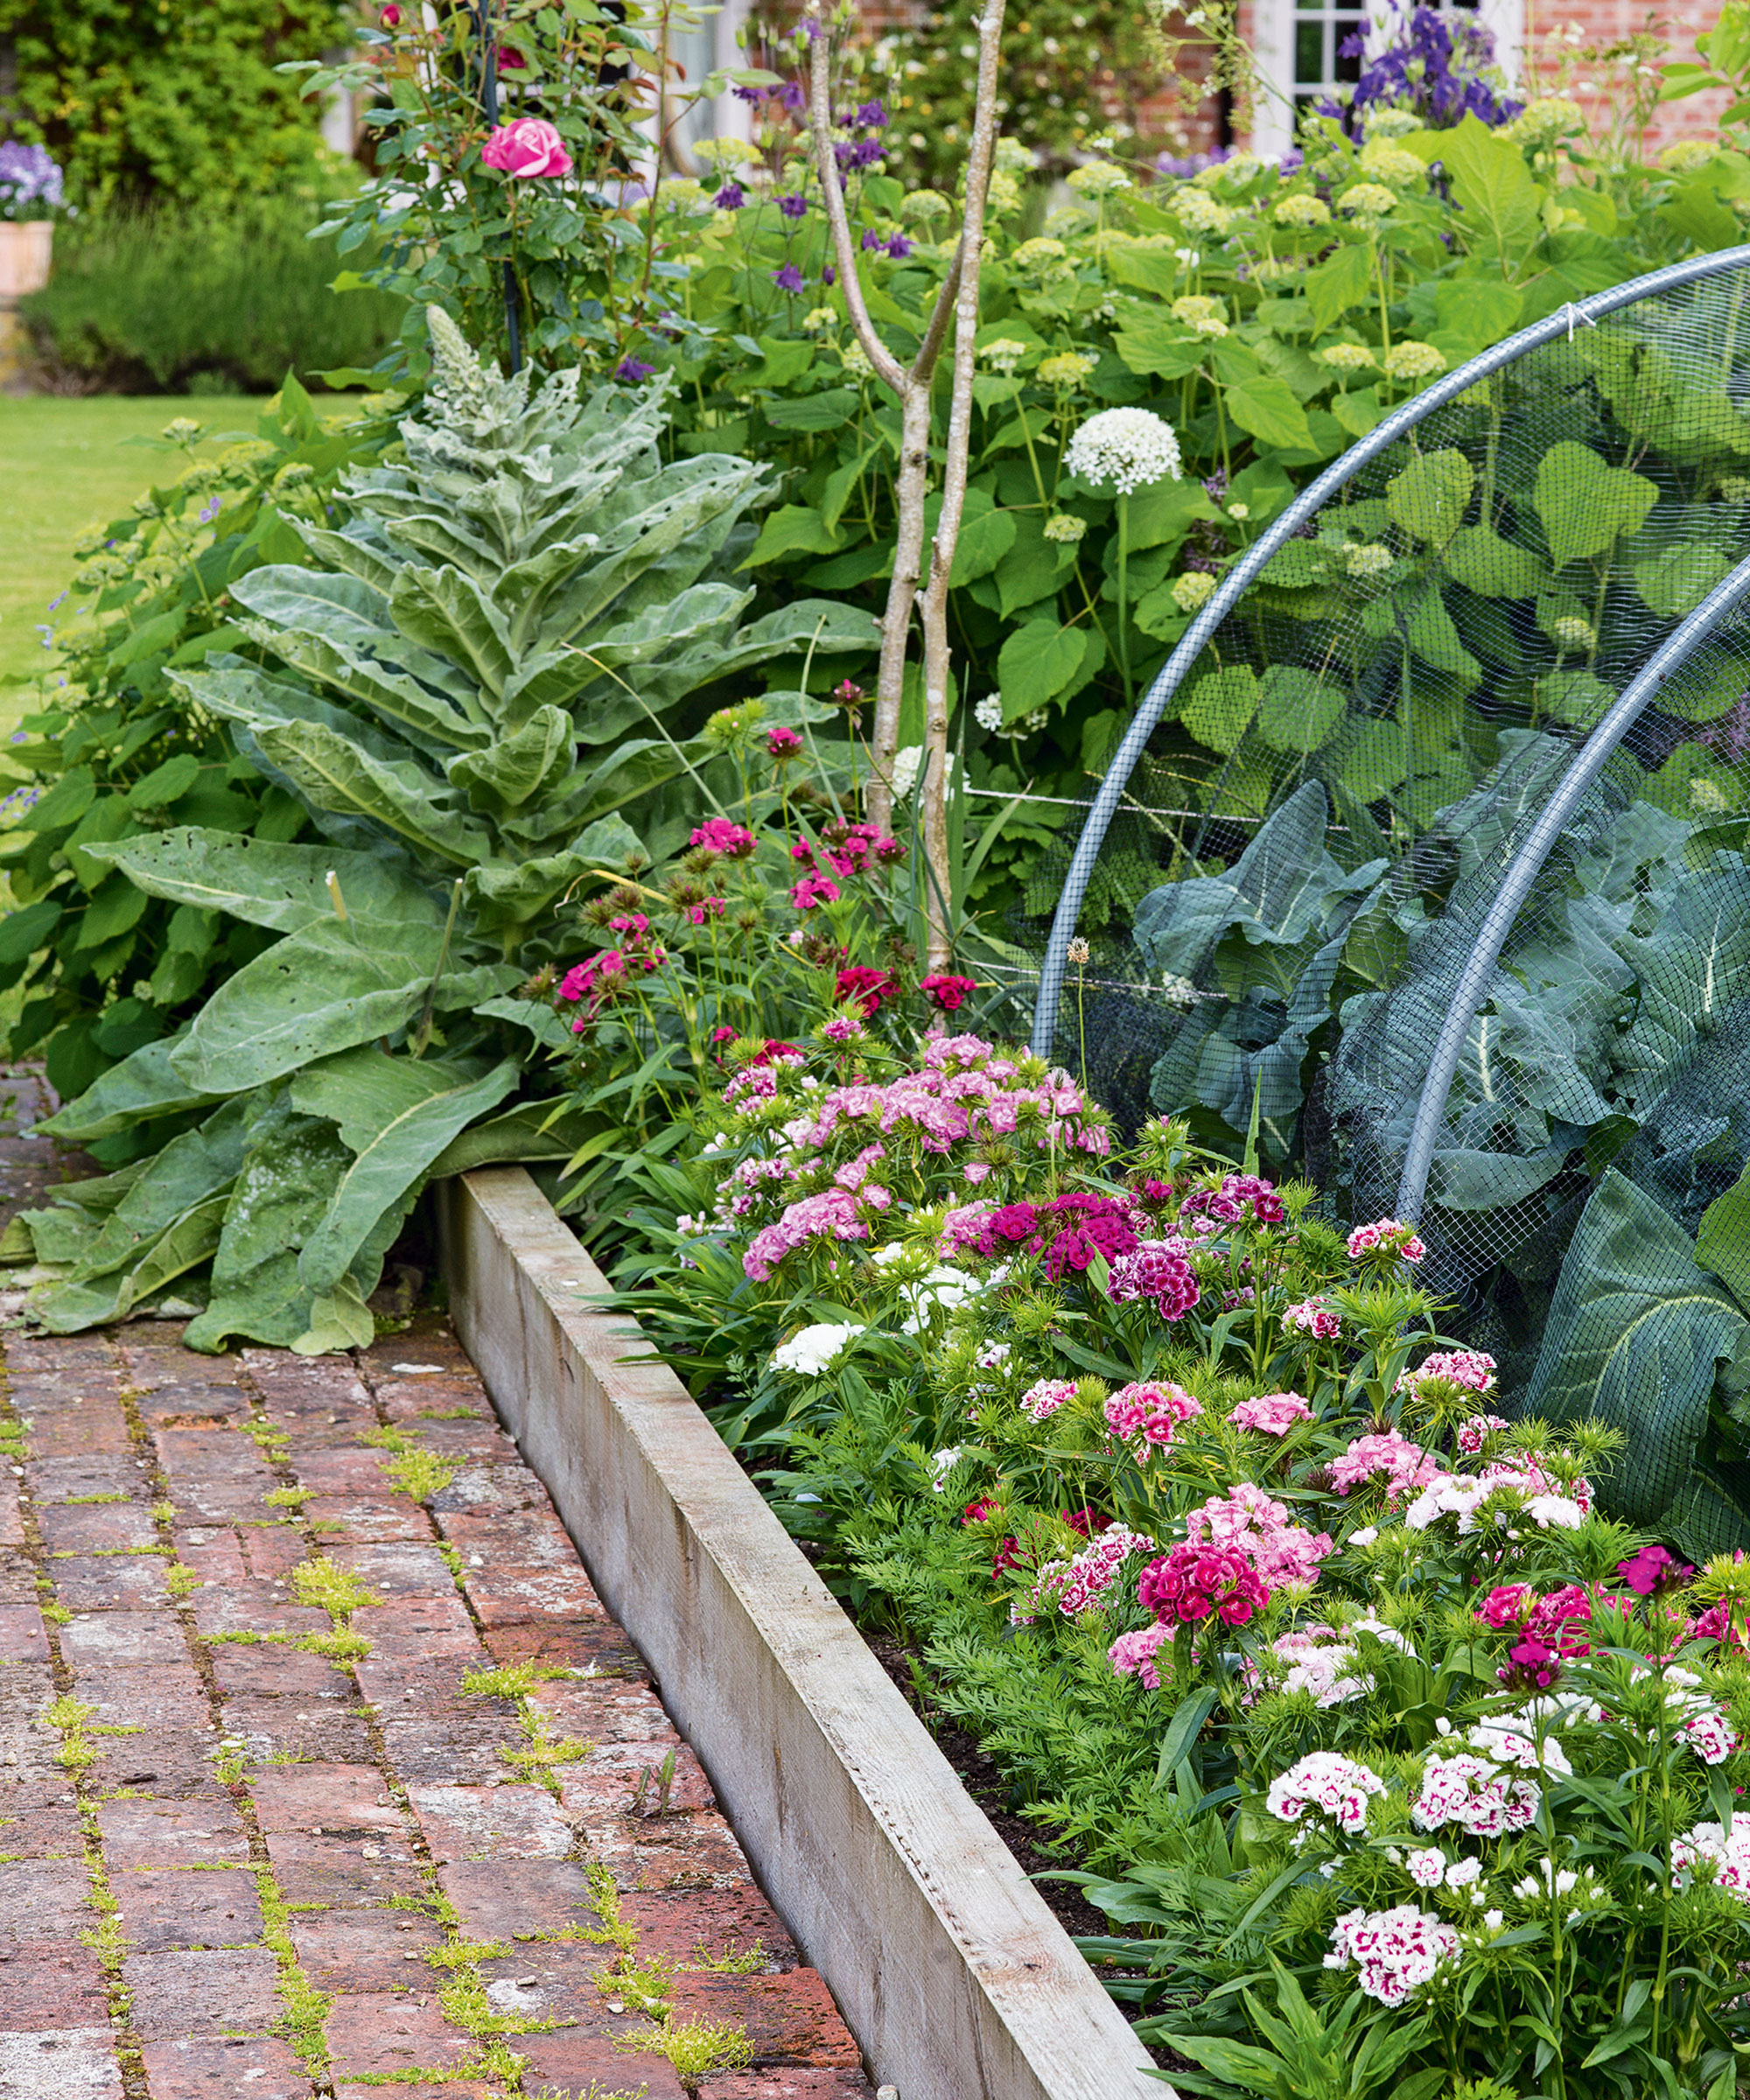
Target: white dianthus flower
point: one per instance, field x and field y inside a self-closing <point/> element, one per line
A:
<point x="1130" y="448"/>
<point x="943" y="1465"/>
<point x="1301" y="211"/>
<point x="809" y="1351"/>
<point x="1413" y="360"/>
<point x="989" y="713"/>
<point x="1192" y="590"/>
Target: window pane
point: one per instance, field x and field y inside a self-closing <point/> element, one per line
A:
<point x="1309" y="53"/>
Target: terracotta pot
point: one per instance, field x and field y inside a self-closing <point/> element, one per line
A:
<point x="26" y="246"/>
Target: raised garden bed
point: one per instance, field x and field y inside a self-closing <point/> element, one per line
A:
<point x="954" y="1974"/>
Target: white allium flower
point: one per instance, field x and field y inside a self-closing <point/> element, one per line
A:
<point x="1066" y="529"/>
<point x="1414" y="361"/>
<point x="1193" y="591"/>
<point x="989" y="713"/>
<point x="1301" y="211"/>
<point x="812" y="1349"/>
<point x="1130" y="448"/>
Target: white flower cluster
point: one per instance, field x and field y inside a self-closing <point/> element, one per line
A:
<point x="1394" y="1951"/>
<point x="1130" y="448"/>
<point x="1364" y="561"/>
<point x="989" y="713"/>
<point x="1414" y="361"/>
<point x="1192" y="590"/>
<point x="1708" y="1846"/>
<point x="812" y="1350"/>
<point x="1301" y="211"/>
<point x="1335" y="1785"/>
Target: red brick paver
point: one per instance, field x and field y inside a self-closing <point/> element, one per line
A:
<point x="234" y="1865"/>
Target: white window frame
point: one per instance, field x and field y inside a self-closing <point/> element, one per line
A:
<point x="1273" y="47"/>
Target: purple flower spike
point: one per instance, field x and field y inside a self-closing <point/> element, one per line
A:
<point x="789" y="279"/>
<point x="730" y="197"/>
<point x="632" y="369"/>
<point x="793" y="206"/>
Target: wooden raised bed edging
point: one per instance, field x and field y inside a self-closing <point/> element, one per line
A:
<point x="954" y="1977"/>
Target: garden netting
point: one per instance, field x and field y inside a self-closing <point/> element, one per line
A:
<point x="1284" y="905"/>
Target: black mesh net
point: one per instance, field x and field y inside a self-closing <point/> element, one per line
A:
<point x="1281" y="913"/>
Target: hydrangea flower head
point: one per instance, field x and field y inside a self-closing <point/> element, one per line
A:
<point x="1127" y="448"/>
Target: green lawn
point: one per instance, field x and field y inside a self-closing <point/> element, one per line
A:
<point x="65" y="466"/>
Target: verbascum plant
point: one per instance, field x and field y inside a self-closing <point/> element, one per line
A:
<point x="469" y="660"/>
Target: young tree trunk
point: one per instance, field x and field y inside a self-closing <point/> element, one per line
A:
<point x="910" y="386"/>
<point x="936" y="785"/>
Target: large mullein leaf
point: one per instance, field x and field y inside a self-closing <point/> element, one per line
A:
<point x="267" y="884"/>
<point x="167" y="1222"/>
<point x="396" y="1115"/>
<point x="517" y="766"/>
<point x="332" y="771"/>
<point x="320" y="990"/>
<point x="400" y="699"/>
<point x="810" y="623"/>
<point x="254" y="701"/>
<point x="357" y="549"/>
<point x="317" y="602"/>
<point x="290" y="1168"/>
<point x="139" y="1089"/>
<point x="1636" y="1336"/>
<point x="450" y="614"/>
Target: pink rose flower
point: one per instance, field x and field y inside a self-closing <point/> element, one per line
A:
<point x="530" y="147"/>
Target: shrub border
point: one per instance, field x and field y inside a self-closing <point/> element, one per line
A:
<point x="950" y="1969"/>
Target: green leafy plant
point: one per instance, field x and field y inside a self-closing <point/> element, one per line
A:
<point x="452" y="699"/>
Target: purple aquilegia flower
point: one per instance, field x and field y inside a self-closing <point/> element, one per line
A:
<point x="872" y="115"/>
<point x="730" y="197"/>
<point x="828" y="276"/>
<point x="793" y="206"/>
<point x="791" y="95"/>
<point x="1433" y="65"/>
<point x="632" y="369"/>
<point x="898" y="248"/>
<point x="749" y="94"/>
<point x="789" y="279"/>
<point x="871" y="239"/>
<point x="30" y="181"/>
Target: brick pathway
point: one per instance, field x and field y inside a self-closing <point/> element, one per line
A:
<point x="324" y="1770"/>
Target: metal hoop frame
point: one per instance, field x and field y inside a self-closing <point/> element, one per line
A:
<point x="1581" y="312"/>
